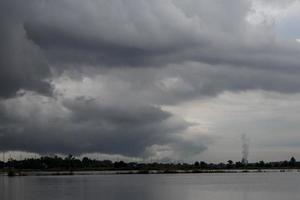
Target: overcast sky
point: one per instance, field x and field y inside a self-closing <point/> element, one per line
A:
<point x="151" y="79"/>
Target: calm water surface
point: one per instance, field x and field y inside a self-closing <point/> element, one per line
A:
<point x="251" y="186"/>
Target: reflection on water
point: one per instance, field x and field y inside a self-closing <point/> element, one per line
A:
<point x="261" y="186"/>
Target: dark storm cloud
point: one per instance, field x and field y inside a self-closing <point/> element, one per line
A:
<point x="133" y="33"/>
<point x="157" y="33"/>
<point x="143" y="33"/>
<point x="88" y="126"/>
<point x="21" y="63"/>
<point x="62" y="47"/>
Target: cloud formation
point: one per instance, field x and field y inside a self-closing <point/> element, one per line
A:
<point x="94" y="76"/>
<point x="39" y="124"/>
<point x="21" y="63"/>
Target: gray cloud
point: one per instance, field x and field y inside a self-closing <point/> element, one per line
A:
<point x="152" y="34"/>
<point x="177" y="83"/>
<point x="134" y="33"/>
<point x="21" y="63"/>
<point x="86" y="125"/>
<point x="157" y="34"/>
<point x="114" y="65"/>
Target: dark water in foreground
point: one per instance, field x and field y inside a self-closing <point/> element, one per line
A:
<point x="247" y="186"/>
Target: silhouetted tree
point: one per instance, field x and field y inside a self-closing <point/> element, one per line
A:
<point x="285" y="163"/>
<point x="292" y="162"/>
<point x="261" y="164"/>
<point x="203" y="165"/>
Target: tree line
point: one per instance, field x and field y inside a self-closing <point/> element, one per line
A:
<point x="72" y="163"/>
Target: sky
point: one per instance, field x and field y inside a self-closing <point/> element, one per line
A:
<point x="159" y="80"/>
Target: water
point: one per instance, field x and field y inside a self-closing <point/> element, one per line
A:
<point x="246" y="186"/>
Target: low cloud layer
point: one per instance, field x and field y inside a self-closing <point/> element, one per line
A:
<point x="95" y="76"/>
<point x="39" y="124"/>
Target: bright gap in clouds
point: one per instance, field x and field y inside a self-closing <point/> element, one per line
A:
<point x="282" y="16"/>
<point x="269" y="119"/>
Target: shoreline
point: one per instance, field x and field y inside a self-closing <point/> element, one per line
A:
<point x="137" y="172"/>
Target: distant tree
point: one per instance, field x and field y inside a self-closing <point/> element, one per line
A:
<point x="261" y="164"/>
<point x="292" y="162"/>
<point x="2" y="164"/>
<point x="239" y="164"/>
<point x="220" y="166"/>
<point x="70" y="161"/>
<point x="121" y="164"/>
<point x="285" y="163"/>
<point x="86" y="162"/>
<point x="203" y="164"/>
<point x="229" y="164"/>
<point x="197" y="164"/>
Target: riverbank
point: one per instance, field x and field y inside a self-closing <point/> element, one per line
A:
<point x="120" y="172"/>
